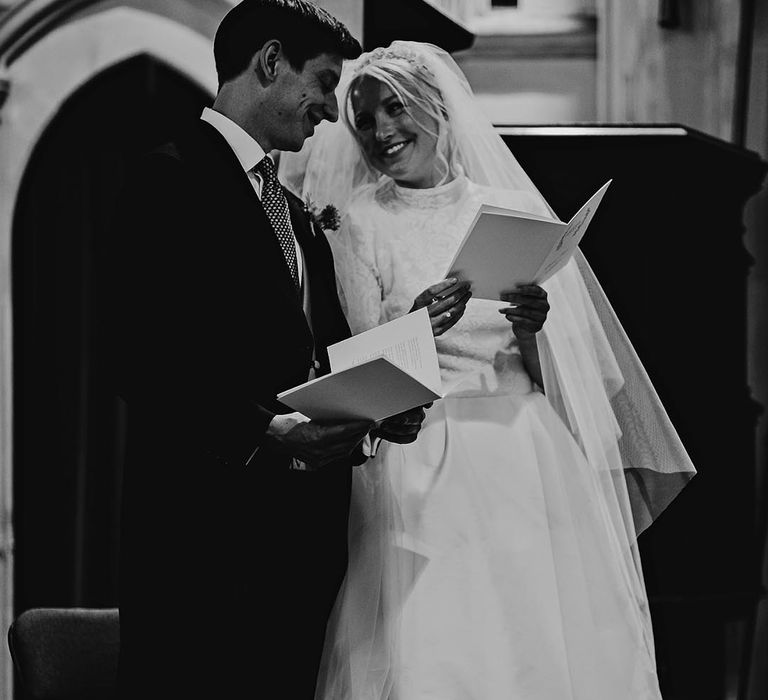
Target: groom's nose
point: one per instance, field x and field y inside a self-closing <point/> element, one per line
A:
<point x="331" y="108"/>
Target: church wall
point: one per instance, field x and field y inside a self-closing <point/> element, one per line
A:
<point x="38" y="82"/>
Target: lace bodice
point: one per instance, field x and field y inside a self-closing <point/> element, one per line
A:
<point x="395" y="242"/>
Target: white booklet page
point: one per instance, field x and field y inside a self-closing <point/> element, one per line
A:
<point x="504" y="248"/>
<point x="407" y="342"/>
<point x="376" y="374"/>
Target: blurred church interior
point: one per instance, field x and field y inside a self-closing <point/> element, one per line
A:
<point x="667" y="97"/>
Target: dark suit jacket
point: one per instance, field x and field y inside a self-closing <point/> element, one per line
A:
<point x="228" y="571"/>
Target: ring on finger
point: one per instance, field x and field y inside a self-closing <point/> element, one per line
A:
<point x="447" y="314"/>
<point x="435" y="300"/>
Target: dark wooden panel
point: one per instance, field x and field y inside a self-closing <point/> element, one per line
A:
<point x="667" y="247"/>
<point x="412" y="20"/>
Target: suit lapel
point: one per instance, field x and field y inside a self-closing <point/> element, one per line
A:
<point x="244" y="221"/>
<point x="301" y="223"/>
<point x="328" y="320"/>
<point x="250" y="213"/>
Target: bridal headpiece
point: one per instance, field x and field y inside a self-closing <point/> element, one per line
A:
<point x="397" y="51"/>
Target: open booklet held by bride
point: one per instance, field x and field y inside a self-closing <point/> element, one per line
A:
<point x="504" y="248"/>
<point x="374" y="375"/>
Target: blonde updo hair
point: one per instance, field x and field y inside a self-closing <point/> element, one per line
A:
<point x="404" y="72"/>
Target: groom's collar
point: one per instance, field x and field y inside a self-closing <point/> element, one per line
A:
<point x="248" y="152"/>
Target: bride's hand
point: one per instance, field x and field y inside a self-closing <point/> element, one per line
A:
<point x="528" y="310"/>
<point x="445" y="301"/>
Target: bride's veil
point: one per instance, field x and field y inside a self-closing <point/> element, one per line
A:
<point x="592" y="376"/>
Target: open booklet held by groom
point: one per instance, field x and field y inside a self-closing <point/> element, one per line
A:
<point x="374" y="375"/>
<point x="504" y="248"/>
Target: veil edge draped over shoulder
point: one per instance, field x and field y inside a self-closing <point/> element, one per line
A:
<point x="592" y="375"/>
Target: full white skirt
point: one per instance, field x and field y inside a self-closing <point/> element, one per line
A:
<point x="485" y="565"/>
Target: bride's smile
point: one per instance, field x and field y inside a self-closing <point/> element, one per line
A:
<point x="390" y="151"/>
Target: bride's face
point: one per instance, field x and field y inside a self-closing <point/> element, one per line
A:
<point x="395" y="140"/>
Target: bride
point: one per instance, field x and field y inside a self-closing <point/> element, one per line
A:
<point x="495" y="558"/>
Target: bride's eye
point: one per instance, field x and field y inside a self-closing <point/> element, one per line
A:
<point x="394" y="108"/>
<point x="363" y="122"/>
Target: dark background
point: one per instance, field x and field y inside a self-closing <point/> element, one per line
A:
<point x="666" y="245"/>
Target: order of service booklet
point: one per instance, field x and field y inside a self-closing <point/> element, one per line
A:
<point x="504" y="248"/>
<point x="374" y="375"/>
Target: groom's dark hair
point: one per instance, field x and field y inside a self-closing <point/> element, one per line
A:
<point x="303" y="29"/>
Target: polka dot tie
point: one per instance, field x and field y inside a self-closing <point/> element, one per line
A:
<point x="276" y="205"/>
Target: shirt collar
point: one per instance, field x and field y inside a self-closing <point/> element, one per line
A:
<point x="248" y="152"/>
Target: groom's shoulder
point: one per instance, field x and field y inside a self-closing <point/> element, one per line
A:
<point x="162" y="155"/>
<point x="167" y="160"/>
<point x="180" y="146"/>
<point x="169" y="149"/>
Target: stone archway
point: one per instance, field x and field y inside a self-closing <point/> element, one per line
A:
<point x="43" y="69"/>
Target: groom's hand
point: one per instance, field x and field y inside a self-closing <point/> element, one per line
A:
<point x="315" y="443"/>
<point x="402" y="428"/>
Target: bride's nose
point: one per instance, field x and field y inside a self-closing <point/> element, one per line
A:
<point x="384" y="128"/>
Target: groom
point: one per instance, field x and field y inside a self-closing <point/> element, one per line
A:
<point x="235" y="511"/>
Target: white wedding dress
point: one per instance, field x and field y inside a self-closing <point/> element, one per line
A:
<point x="485" y="561"/>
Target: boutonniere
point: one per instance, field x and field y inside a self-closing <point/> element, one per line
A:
<point x="327" y="218"/>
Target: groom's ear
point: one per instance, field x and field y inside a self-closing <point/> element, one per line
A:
<point x="266" y="61"/>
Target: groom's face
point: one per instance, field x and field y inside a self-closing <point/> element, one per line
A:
<point x="304" y="98"/>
